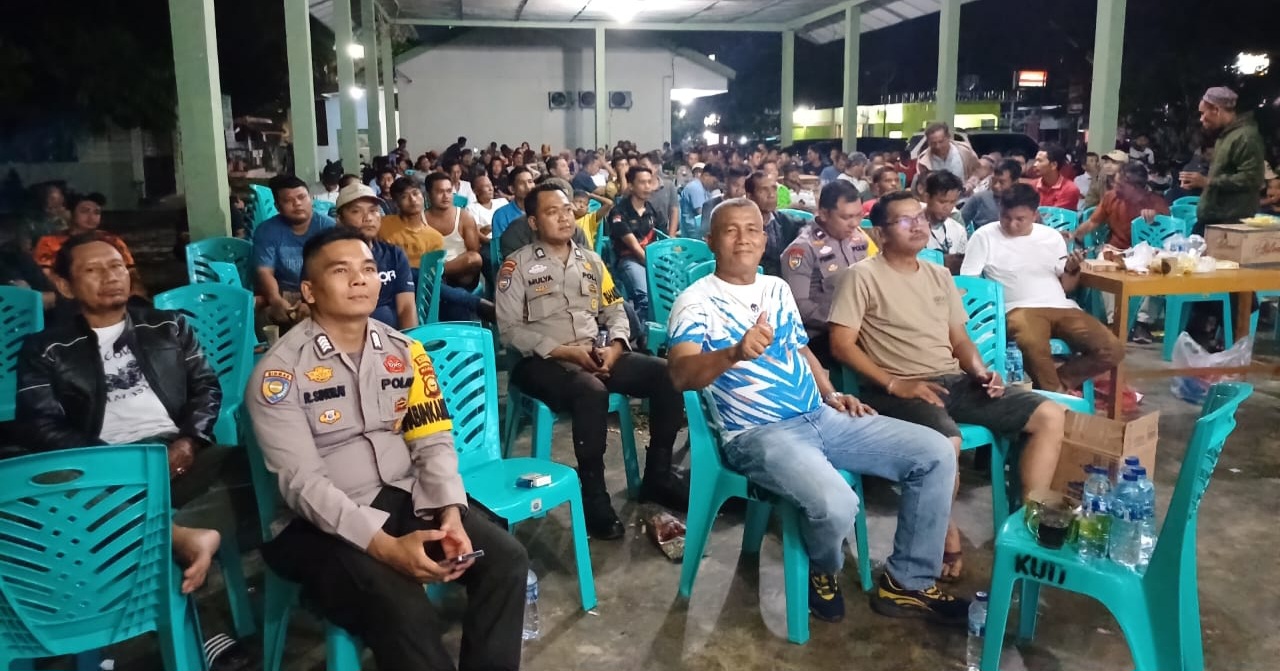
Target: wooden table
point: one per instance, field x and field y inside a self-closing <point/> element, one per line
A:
<point x="1241" y="283"/>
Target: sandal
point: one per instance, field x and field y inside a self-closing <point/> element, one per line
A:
<point x="950" y="569"/>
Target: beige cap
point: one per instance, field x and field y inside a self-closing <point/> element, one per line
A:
<point x="1117" y="155"/>
<point x="353" y="192"/>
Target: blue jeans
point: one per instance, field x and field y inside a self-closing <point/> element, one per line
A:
<point x="797" y="459"/>
<point x="636" y="279"/>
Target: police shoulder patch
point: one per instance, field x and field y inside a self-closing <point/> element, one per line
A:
<point x="504" y="274"/>
<point x="275" y="385"/>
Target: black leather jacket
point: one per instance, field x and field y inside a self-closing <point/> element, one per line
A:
<point x="61" y="395"/>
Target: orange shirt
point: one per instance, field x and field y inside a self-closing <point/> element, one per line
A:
<point x="1118" y="215"/>
<point x="47" y="247"/>
<point x="415" y="243"/>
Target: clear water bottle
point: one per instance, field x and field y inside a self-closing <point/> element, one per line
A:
<point x="1095" y="519"/>
<point x="977" y="631"/>
<point x="1130" y="463"/>
<point x="1125" y="542"/>
<point x="531" y="626"/>
<point x="1013" y="364"/>
<point x="1147" y="525"/>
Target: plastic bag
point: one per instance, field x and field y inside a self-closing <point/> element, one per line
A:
<point x="1187" y="353"/>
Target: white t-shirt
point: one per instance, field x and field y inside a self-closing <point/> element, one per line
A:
<point x="484" y="217"/>
<point x="133" y="410"/>
<point x="1142" y="155"/>
<point x="859" y="184"/>
<point x="777" y="385"/>
<point x="464" y="190"/>
<point x="1028" y="266"/>
<point x="949" y="237"/>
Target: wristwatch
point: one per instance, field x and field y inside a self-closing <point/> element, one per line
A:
<point x="833" y="396"/>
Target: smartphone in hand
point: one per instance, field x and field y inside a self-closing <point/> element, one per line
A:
<point x="464" y="558"/>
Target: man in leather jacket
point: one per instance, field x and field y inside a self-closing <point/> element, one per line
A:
<point x="111" y="373"/>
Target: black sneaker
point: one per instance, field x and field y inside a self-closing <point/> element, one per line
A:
<point x="666" y="489"/>
<point x="1141" y="334"/>
<point x="892" y="600"/>
<point x="825" y="601"/>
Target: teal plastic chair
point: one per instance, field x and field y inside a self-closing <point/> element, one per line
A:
<point x="521" y="408"/>
<point x="280" y="596"/>
<point x="1087" y="213"/>
<point x="1060" y="219"/>
<point x="712" y="484"/>
<point x="866" y="223"/>
<point x="701" y="269"/>
<point x="264" y="205"/>
<point x="1187" y="213"/>
<point x="1176" y="312"/>
<point x="222" y="318"/>
<point x="934" y="256"/>
<point x="86" y="558"/>
<point x="1159" y="611"/>
<point x="324" y="207"/>
<point x="459" y="200"/>
<point x="667" y="265"/>
<point x="21" y="314"/>
<point x="1193" y="201"/>
<point x="427" y="288"/>
<point x="463" y="358"/>
<point x="799" y="214"/>
<point x="202" y="253"/>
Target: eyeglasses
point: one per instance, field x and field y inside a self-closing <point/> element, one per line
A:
<point x="908" y="222"/>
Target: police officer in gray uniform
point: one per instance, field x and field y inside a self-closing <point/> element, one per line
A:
<point x="558" y="307"/>
<point x="351" y="420"/>
<point x="822" y="251"/>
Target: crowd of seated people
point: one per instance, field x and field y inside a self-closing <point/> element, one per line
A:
<point x="377" y="505"/>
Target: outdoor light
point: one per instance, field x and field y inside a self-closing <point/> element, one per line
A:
<point x="622" y="11"/>
<point x="355" y="50"/>
<point x="712" y="57"/>
<point x="681" y="114"/>
<point x="1252" y="64"/>
<point x="356" y="92"/>
<point x="710" y="120"/>
<point x="743" y="140"/>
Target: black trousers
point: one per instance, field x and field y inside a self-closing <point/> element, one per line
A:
<point x="586" y="398"/>
<point x="389" y="611"/>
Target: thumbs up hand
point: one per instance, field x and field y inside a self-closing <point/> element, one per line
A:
<point x="755" y="341"/>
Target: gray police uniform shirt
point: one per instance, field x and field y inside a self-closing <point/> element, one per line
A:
<point x="813" y="263"/>
<point x="336" y="429"/>
<point x="543" y="303"/>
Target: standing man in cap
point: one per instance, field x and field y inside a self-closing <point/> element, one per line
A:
<point x="1235" y="174"/>
<point x="558" y="307"/>
<point x="819" y="256"/>
<point x="360" y="209"/>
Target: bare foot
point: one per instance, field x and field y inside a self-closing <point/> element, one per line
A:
<point x="194" y="550"/>
<point x="952" y="556"/>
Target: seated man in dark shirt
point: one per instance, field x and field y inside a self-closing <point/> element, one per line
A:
<point x="360" y="209"/>
<point x="633" y="224"/>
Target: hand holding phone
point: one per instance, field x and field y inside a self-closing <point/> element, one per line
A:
<point x="464" y="558"/>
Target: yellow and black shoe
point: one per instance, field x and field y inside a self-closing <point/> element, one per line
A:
<point x="825" y="601"/>
<point x="893" y="600"/>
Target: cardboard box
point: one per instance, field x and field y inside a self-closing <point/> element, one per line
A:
<point x="1099" y="441"/>
<point x="1247" y="245"/>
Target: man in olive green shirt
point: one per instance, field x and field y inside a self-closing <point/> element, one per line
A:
<point x="1235" y="174"/>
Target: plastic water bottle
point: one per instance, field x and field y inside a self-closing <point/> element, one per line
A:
<point x="1013" y="364"/>
<point x="1095" y="521"/>
<point x="1125" y="543"/>
<point x="977" y="631"/>
<point x="531" y="626"/>
<point x="1147" y="525"/>
<point x="1130" y="463"/>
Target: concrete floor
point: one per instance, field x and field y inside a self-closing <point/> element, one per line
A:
<point x="735" y="620"/>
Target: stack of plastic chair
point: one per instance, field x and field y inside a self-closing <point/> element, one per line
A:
<point x="667" y="264"/>
<point x="1176" y="307"/>
<point x="202" y="253"/>
<point x="1159" y="610"/>
<point x="86" y="558"/>
<point x="222" y="318"/>
<point x="430" y="274"/>
<point x="712" y="483"/>
<point x="463" y="358"/>
<point x="1059" y="218"/>
<point x="21" y="314"/>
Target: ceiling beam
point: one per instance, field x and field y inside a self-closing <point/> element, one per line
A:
<point x="592" y="25"/>
<point x="812" y="17"/>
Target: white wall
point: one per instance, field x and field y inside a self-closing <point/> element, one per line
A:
<point x="106" y="165"/>
<point x="491" y="93"/>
